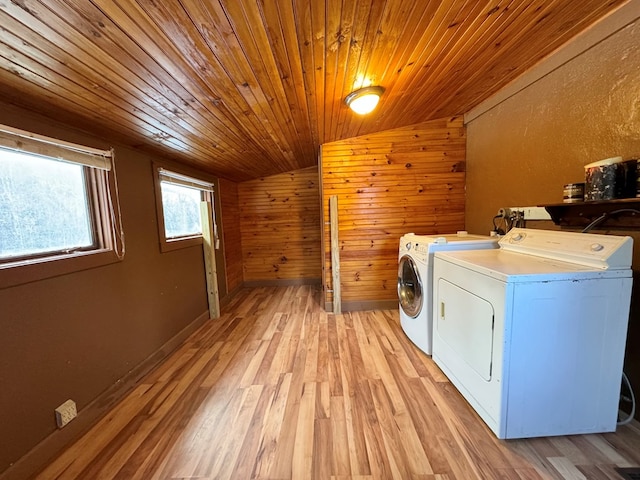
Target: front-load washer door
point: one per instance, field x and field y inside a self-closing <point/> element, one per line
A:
<point x="409" y="287"/>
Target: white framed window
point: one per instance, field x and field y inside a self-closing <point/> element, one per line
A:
<point x="58" y="207"/>
<point x="178" y="200"/>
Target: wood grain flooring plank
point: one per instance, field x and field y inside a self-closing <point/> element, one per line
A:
<point x="367" y="424"/>
<point x="427" y="422"/>
<point x="281" y="465"/>
<point x="278" y="389"/>
<point x="566" y="469"/>
<point x="391" y="446"/>
<point x="272" y="422"/>
<point x="323" y="352"/>
<point x="359" y="341"/>
<point x="392" y="340"/>
<point x="302" y="461"/>
<point x="249" y="450"/>
<point x="227" y="454"/>
<point x="341" y="451"/>
<point x="335" y="365"/>
<point x="460" y="460"/>
<point x="322" y="448"/>
<point x="257" y="362"/>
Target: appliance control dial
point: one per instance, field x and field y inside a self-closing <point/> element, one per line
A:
<point x="597" y="247"/>
<point x="440" y="241"/>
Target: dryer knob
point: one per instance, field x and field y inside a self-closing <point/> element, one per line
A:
<point x="440" y="241"/>
<point x="408" y="246"/>
<point x="596" y="247"/>
<point x="517" y="237"/>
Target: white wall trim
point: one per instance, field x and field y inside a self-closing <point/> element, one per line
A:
<point x="596" y="33"/>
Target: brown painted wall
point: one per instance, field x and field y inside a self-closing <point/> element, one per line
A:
<point x="232" y="238"/>
<point x="524" y="150"/>
<point x="280" y="225"/>
<point x="405" y="180"/>
<point x="76" y="335"/>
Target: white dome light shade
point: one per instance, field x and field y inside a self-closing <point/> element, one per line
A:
<point x="364" y="100"/>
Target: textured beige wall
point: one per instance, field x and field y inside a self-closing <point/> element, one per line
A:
<point x="524" y="150"/>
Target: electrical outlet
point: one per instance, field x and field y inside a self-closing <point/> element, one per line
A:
<point x="532" y="213"/>
<point x="65" y="413"/>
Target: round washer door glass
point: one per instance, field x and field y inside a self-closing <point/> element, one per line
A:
<point x="409" y="287"/>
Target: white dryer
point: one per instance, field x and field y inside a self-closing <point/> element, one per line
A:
<point x="533" y="334"/>
<point x="415" y="270"/>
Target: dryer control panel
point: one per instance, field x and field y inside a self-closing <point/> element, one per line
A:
<point x="598" y="251"/>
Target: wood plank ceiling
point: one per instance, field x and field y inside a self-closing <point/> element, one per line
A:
<point x="249" y="88"/>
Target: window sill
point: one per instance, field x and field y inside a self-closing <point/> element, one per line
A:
<point x="177" y="244"/>
<point x="13" y="274"/>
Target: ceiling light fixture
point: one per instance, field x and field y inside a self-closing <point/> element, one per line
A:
<point x="364" y="100"/>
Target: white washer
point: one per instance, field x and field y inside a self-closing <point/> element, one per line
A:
<point x="415" y="270"/>
<point x="533" y="334"/>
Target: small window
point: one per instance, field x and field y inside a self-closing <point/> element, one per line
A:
<point x="57" y="212"/>
<point x="181" y="210"/>
<point x="44" y="207"/>
<point x="180" y="221"/>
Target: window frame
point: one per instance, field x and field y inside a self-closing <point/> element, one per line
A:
<point x="102" y="192"/>
<point x="89" y="199"/>
<point x="168" y="244"/>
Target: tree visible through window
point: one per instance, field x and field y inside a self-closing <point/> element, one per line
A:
<point x="59" y="207"/>
<point x="44" y="206"/>
<point x="181" y="208"/>
<point x="179" y="199"/>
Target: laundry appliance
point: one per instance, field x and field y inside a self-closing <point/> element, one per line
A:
<point x="533" y="334"/>
<point x="415" y="270"/>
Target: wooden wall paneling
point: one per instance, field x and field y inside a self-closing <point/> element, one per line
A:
<point x="78" y="62"/>
<point x="319" y="37"/>
<point x="280" y="225"/>
<point x="478" y="36"/>
<point x="388" y="184"/>
<point x="426" y="45"/>
<point x="401" y="61"/>
<point x="445" y="31"/>
<point x="232" y="238"/>
<point x="303" y="31"/>
<point x="244" y="89"/>
<point x="172" y="20"/>
<point x="280" y="19"/>
<point x="231" y="82"/>
<point x="386" y="41"/>
<point x="357" y="73"/>
<point x="267" y="86"/>
<point x="333" y="47"/>
<point x="555" y="20"/>
<point x="492" y="44"/>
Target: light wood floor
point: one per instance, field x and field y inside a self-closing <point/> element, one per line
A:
<point x="279" y="389"/>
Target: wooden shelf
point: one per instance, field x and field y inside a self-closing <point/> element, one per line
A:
<point x="583" y="213"/>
